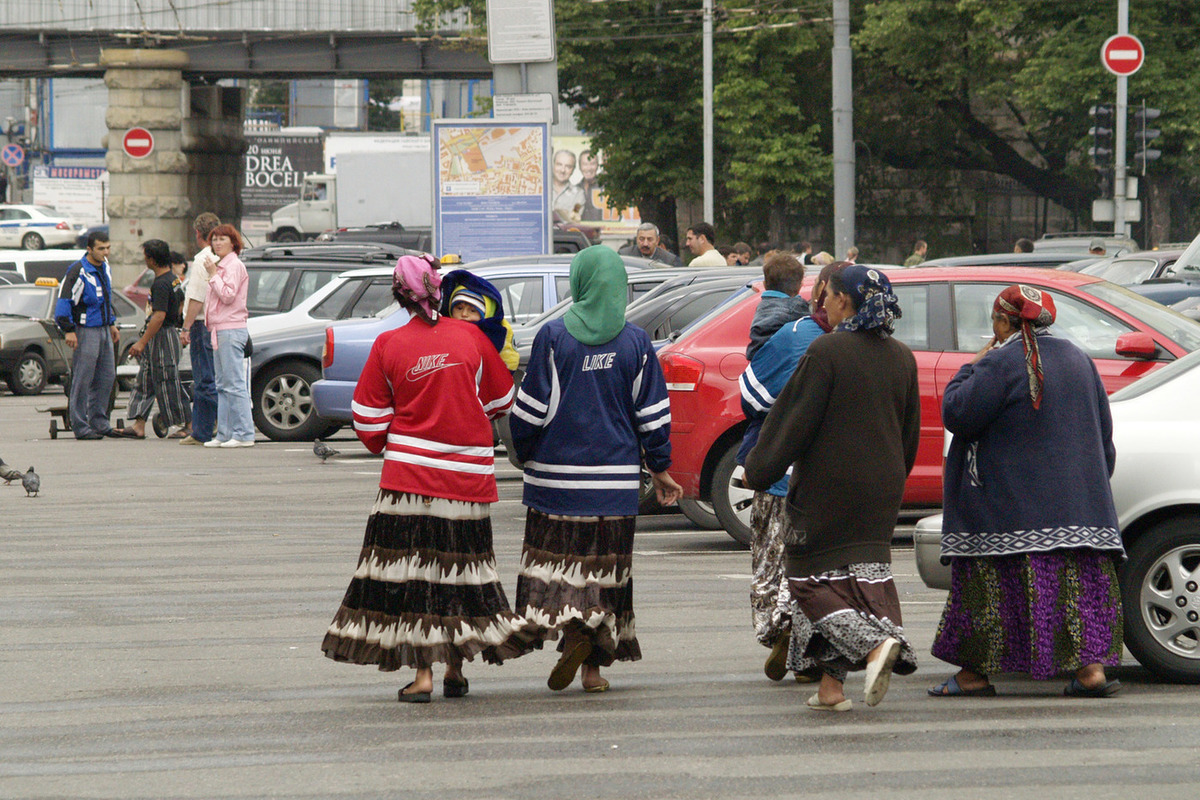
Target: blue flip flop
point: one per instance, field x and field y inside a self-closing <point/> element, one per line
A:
<point x="950" y="688"/>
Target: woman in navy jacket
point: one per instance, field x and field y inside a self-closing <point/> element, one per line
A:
<point x="1029" y="519"/>
<point x="592" y="403"/>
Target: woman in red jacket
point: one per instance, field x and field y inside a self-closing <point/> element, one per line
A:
<point x="426" y="588"/>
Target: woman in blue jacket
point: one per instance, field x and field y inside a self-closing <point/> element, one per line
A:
<point x="593" y="403"/>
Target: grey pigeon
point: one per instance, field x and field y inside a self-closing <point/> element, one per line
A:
<point x="322" y="450"/>
<point x="8" y="473"/>
<point x="31" y="482"/>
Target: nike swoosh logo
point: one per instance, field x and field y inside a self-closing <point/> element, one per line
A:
<point x="416" y="374"/>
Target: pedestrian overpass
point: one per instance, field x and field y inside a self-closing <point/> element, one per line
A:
<point x="161" y="60"/>
<point x="236" y="38"/>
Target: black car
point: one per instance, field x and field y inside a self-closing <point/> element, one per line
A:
<point x="414" y="238"/>
<point x="281" y="275"/>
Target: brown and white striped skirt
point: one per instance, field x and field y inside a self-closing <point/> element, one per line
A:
<point x="426" y="589"/>
<point x="578" y="571"/>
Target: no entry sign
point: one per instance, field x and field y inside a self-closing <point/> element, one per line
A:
<point x="1122" y="55"/>
<point x="138" y="143"/>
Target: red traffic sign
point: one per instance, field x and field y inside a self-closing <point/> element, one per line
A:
<point x="138" y="143"/>
<point x="12" y="155"/>
<point x="1122" y="55"/>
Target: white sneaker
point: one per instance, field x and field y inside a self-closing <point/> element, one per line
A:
<point x="215" y="443"/>
<point x="238" y="443"/>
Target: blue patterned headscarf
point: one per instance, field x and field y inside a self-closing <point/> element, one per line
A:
<point x="878" y="307"/>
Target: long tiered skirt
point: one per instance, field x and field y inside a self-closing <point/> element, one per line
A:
<point x="1044" y="614"/>
<point x="425" y="590"/>
<point x="576" y="572"/>
<point x="844" y="614"/>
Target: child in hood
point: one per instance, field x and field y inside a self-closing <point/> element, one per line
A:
<point x="472" y="299"/>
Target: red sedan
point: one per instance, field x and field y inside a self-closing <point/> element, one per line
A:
<point x="947" y="318"/>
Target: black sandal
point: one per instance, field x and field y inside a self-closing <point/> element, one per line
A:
<point x="413" y="697"/>
<point x="453" y="688"/>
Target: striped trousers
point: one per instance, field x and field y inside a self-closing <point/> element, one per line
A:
<point x="158" y="380"/>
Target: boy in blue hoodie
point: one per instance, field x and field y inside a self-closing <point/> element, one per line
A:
<point x="470" y="298"/>
<point x="779" y="337"/>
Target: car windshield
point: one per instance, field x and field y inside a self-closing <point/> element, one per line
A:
<point x="46" y="210"/>
<point x="1125" y="271"/>
<point x="1158" y="378"/>
<point x="699" y="322"/>
<point x="1175" y="326"/>
<point x="23" y="301"/>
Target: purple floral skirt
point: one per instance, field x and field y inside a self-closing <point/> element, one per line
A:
<point x="1044" y="614"/>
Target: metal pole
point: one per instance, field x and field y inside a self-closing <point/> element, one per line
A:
<point x="708" y="112"/>
<point x="1120" y="171"/>
<point x="843" y="131"/>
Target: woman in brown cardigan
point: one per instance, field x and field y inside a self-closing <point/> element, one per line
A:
<point x="848" y="423"/>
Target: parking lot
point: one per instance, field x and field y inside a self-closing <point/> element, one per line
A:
<point x="162" y="608"/>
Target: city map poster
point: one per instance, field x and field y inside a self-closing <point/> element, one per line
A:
<point x="491" y="188"/>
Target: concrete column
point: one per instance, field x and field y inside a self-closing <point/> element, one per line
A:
<point x="195" y="163"/>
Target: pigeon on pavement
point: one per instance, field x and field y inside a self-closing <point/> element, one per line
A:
<point x="9" y="474"/>
<point x="31" y="482"/>
<point x="322" y="450"/>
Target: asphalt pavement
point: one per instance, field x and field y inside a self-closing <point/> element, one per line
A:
<point x="162" y="609"/>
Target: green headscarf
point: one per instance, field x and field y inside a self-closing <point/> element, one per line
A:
<point x="600" y="290"/>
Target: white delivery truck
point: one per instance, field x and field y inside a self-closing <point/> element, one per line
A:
<point x="369" y="187"/>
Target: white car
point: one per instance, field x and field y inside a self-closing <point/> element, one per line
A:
<point x="1156" y="488"/>
<point x="35" y="228"/>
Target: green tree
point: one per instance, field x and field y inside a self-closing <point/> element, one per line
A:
<point x="632" y="71"/>
<point x="1005" y="85"/>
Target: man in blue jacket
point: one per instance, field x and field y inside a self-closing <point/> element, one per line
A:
<point x="85" y="314"/>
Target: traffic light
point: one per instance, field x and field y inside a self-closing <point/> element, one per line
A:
<point x="1101" y="132"/>
<point x="1145" y="135"/>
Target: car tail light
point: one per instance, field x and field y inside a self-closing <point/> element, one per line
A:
<point x="682" y="373"/>
<point x="327" y="350"/>
<point x="62" y="226"/>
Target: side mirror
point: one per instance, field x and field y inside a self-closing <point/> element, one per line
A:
<point x="1137" y="344"/>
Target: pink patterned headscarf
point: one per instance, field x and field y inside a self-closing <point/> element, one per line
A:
<point x="416" y="279"/>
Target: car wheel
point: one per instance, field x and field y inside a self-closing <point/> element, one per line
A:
<point x="1160" y="589"/>
<point x="283" y="403"/>
<point x="287" y="236"/>
<point x="161" y="429"/>
<point x="647" y="497"/>
<point x="29" y="375"/>
<point x="732" y="503"/>
<point x="33" y="241"/>
<point x="700" y="513"/>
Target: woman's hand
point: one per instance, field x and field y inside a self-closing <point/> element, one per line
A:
<point x="210" y="266"/>
<point x="666" y="489"/>
<point x="986" y="349"/>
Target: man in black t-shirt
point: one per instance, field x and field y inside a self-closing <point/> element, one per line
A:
<point x="159" y="348"/>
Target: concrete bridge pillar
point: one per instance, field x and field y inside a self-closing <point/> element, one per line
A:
<point x="196" y="162"/>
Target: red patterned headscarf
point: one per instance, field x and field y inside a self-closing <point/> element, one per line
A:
<point x="1032" y="308"/>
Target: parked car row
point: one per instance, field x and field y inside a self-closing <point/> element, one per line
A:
<point x="946" y="320"/>
<point x="33" y="351"/>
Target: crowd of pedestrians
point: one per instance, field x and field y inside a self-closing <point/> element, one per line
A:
<point x="204" y="307"/>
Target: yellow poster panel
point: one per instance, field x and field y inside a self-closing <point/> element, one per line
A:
<point x="577" y="190"/>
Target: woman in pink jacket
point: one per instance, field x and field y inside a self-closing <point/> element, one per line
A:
<point x="225" y="315"/>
